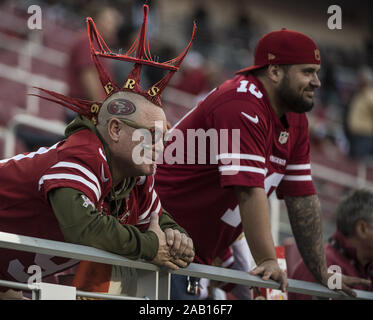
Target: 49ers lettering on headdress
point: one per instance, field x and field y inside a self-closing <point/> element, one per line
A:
<point x="139" y="54"/>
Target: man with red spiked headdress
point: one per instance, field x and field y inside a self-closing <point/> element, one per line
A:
<point x="262" y="145"/>
<point x="96" y="187"/>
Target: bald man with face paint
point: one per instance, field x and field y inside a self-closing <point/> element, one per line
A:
<point x="86" y="189"/>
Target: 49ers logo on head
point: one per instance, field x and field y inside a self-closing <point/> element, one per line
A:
<point x="121" y="107"/>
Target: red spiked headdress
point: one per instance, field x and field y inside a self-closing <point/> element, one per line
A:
<point x="140" y="48"/>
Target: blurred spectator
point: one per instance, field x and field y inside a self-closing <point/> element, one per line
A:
<point x="369" y="51"/>
<point x="82" y="76"/>
<point x="329" y="93"/>
<point x="193" y="77"/>
<point x="241" y="32"/>
<point x="360" y="116"/>
<point x="238" y="36"/>
<point x="351" y="246"/>
<point x="151" y="75"/>
<point x="205" y="39"/>
<point x="126" y="36"/>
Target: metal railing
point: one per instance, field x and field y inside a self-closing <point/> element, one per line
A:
<point x="49" y="126"/>
<point x="318" y="171"/>
<point x="34" y="50"/>
<point x="152" y="282"/>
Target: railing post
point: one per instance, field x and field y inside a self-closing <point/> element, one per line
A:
<point x="9" y="144"/>
<point x="275" y="218"/>
<point x="164" y="284"/>
<point x="361" y="174"/>
<point x="49" y="291"/>
<point x="147" y="284"/>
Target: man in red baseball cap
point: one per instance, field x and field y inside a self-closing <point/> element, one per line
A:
<point x="218" y="200"/>
<point x="286" y="48"/>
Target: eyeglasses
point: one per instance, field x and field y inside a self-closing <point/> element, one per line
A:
<point x="156" y="133"/>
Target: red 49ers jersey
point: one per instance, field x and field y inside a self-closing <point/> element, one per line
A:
<point x="254" y="148"/>
<point x="78" y="162"/>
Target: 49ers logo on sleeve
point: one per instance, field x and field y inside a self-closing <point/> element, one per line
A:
<point x="121" y="107"/>
<point x="283" y="138"/>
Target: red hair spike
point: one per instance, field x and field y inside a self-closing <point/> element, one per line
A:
<point x="139" y="54"/>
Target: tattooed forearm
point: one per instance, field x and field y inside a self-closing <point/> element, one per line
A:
<point x="305" y="219"/>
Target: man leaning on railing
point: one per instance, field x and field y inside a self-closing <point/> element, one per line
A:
<point x="89" y="189"/>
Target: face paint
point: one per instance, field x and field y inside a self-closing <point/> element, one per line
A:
<point x="121" y="107"/>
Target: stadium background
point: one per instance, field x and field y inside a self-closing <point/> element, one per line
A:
<point x="226" y="38"/>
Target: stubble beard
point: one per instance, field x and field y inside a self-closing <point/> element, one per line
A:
<point x="290" y="100"/>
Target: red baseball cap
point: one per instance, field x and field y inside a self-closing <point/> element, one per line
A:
<point x="284" y="47"/>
